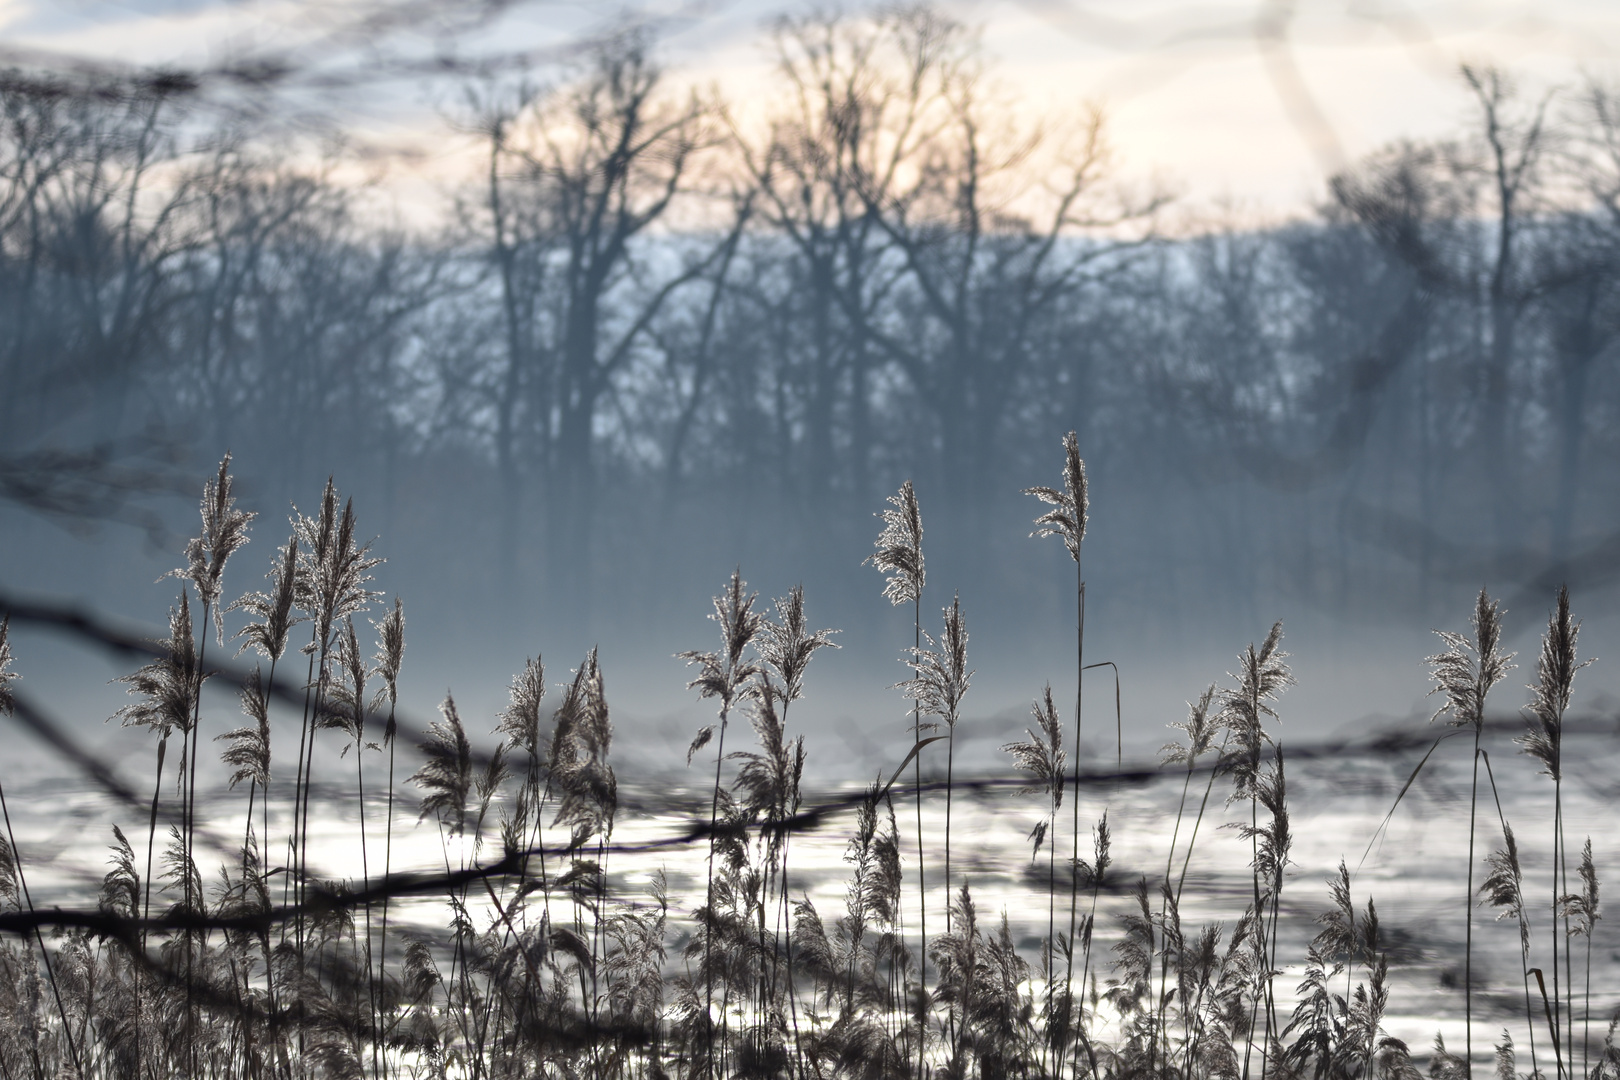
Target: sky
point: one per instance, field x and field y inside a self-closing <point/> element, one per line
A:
<point x="1240" y="107"/>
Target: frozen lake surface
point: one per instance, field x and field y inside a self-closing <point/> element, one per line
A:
<point x="1414" y="868"/>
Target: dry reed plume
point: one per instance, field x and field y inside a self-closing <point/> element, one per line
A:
<point x="545" y="961"/>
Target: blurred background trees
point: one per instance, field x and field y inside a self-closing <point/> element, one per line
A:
<point x="654" y="326"/>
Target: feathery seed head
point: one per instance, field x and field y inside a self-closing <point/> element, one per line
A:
<point x="1275" y="836"/>
<point x="580" y="742"/>
<point x="180" y="876"/>
<point x="1503" y="887"/>
<point x="247" y="748"/>
<point x="390" y="656"/>
<point x="1506" y="1062"/>
<point x="1101" y="844"/>
<point x="224" y="530"/>
<point x="346" y="699"/>
<point x="1555" y="676"/>
<point x="447" y="773"/>
<point x="10" y="893"/>
<point x="787" y="645"/>
<point x="767" y="777"/>
<point x="1338" y="934"/>
<point x="1557" y="664"/>
<point x="274" y="608"/>
<point x="942" y="676"/>
<point x="7" y="703"/>
<point x="168" y="686"/>
<point x="332" y="567"/>
<point x="726" y="674"/>
<point x="520" y="720"/>
<point x="899" y="548"/>
<point x="1200" y="729"/>
<point x="1069" y="514"/>
<point x="1263" y="675"/>
<point x="1469" y="667"/>
<point x="1584" y="908"/>
<point x="121" y="887"/>
<point x="1042" y="756"/>
<point x="1589" y="881"/>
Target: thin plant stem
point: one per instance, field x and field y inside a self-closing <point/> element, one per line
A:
<point x="365" y="870"/>
<point x="1563" y="870"/>
<point x="1074" y="809"/>
<point x="1192" y="840"/>
<point x="146" y="902"/>
<point x="1051" y="951"/>
<point x="388" y="869"/>
<point x="1559" y="1009"/>
<point x="950" y="773"/>
<point x="1529" y="1013"/>
<point x="708" y="937"/>
<point x="1085" y="965"/>
<point x="1468" y="915"/>
<point x="291" y="880"/>
<point x="39" y="935"/>
<point x="309" y="783"/>
<point x="264" y="849"/>
<point x="922" y="879"/>
<point x="1586" y="1009"/>
<point x="189" y="817"/>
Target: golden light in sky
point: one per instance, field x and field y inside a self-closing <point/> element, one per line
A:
<point x="1241" y="105"/>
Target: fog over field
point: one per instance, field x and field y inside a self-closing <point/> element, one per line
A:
<point x="561" y="389"/>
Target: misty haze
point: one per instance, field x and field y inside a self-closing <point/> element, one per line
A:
<point x="756" y="540"/>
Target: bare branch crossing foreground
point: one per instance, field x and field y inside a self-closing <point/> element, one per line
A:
<point x="647" y="306"/>
<point x="543" y="957"/>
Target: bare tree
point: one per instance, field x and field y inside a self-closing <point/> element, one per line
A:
<point x="836" y="132"/>
<point x="89" y="234"/>
<point x="997" y="225"/>
<point x="604" y="160"/>
<point x="1580" y="262"/>
<point x="522" y="239"/>
<point x="1514" y="149"/>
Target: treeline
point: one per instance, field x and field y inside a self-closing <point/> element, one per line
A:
<point x="654" y="311"/>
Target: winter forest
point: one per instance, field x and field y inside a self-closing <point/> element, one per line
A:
<point x="909" y="350"/>
<point x="646" y="315"/>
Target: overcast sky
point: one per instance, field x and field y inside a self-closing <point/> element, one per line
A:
<point x="1238" y="102"/>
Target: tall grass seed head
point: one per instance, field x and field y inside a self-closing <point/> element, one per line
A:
<point x="7" y="676"/>
<point x="899" y="548"/>
<point x="1070" y="507"/>
<point x="224" y="530"/>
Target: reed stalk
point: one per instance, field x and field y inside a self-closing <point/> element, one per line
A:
<point x="1043" y="758"/>
<point x="224" y="530"/>
<point x="1585" y="906"/>
<point x="584" y="996"/>
<point x="1465" y="672"/>
<point x="1067" y="521"/>
<point x="726" y="675"/>
<point x="941" y="680"/>
<point x="785" y="648"/>
<point x="332" y="569"/>
<point x="1096" y="871"/>
<point x="14" y="874"/>
<point x="267" y="633"/>
<point x="1503" y="888"/>
<point x="1262" y="677"/>
<point x="388" y="659"/>
<point x="164" y="690"/>
<point x="1200" y="731"/>
<point x="1544" y="741"/>
<point x="899" y="555"/>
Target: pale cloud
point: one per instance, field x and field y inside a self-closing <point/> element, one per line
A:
<point x="1250" y="101"/>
